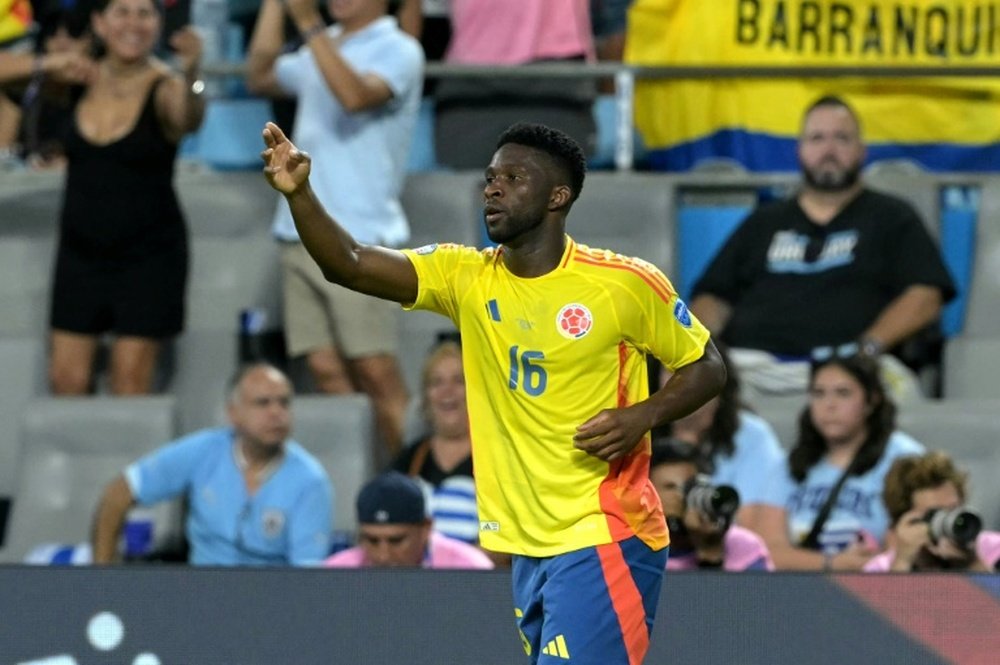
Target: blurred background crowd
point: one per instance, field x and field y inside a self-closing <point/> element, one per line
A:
<point x="836" y="235"/>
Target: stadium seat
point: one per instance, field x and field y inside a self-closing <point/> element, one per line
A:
<point x="25" y="276"/>
<point x="229" y="137"/>
<point x="906" y="180"/>
<point x="422" y="157"/>
<point x="72" y="447"/>
<point x="231" y="204"/>
<point x="971" y="368"/>
<point x="203" y="362"/>
<point x="444" y="207"/>
<point x="969" y="431"/>
<point x="22" y="363"/>
<point x="229" y="275"/>
<point x="441" y="207"/>
<point x="419" y="332"/>
<point x="782" y="412"/>
<point x="31" y="201"/>
<point x="631" y="214"/>
<point x="340" y="432"/>
<point x="605" y="112"/>
<point x="983" y="315"/>
<point x="702" y="230"/>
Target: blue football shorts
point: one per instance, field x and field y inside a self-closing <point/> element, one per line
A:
<point x="593" y="606"/>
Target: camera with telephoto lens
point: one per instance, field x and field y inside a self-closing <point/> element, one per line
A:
<point x="959" y="525"/>
<point x="716" y="502"/>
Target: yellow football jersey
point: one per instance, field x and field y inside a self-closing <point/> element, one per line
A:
<point x="541" y="356"/>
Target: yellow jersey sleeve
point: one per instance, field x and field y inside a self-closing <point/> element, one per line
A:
<point x="445" y="272"/>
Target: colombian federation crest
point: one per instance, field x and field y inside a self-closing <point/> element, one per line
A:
<point x="574" y="321"/>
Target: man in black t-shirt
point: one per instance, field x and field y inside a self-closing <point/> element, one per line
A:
<point x="837" y="268"/>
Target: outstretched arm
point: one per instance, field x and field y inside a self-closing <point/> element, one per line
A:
<point x="354" y="91"/>
<point x="265" y="47"/>
<point x="376" y="271"/>
<point x="108" y="520"/>
<point x="613" y="433"/>
<point x="62" y="67"/>
<point x="411" y="17"/>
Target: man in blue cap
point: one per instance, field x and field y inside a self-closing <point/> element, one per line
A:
<point x="394" y="530"/>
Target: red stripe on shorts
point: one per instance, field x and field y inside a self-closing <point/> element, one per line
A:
<point x="626" y="600"/>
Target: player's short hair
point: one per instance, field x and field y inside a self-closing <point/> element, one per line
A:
<point x="558" y="145"/>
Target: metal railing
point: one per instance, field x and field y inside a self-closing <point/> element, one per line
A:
<point x="626" y="75"/>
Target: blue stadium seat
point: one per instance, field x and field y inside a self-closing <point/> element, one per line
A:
<point x="702" y="230"/>
<point x="229" y="137"/>
<point x="72" y="447"/>
<point x="340" y="432"/>
<point x="422" y="156"/>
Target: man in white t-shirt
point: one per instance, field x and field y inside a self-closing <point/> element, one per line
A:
<point x="358" y="85"/>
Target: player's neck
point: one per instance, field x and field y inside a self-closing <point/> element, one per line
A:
<point x="537" y="255"/>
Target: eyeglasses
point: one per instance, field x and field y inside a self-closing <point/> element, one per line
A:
<point x="821" y="354"/>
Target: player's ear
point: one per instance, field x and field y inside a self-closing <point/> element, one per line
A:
<point x="560" y="197"/>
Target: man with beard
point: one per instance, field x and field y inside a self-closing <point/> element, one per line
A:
<point x="554" y="343"/>
<point x="836" y="269"/>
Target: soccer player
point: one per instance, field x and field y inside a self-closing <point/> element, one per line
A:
<point x="554" y="339"/>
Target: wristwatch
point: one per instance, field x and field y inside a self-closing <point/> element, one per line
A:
<point x="871" y="347"/>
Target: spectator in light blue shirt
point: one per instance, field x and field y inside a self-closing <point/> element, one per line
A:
<point x="823" y="509"/>
<point x="255" y="497"/>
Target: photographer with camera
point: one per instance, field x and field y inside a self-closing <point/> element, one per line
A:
<point x="932" y="529"/>
<point x="700" y="514"/>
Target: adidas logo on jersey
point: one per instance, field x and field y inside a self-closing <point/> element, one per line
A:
<point x="557" y="648"/>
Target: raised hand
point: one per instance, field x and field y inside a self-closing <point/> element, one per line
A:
<point x="69" y="67"/>
<point x="305" y="13"/>
<point x="285" y="166"/>
<point x="187" y="44"/>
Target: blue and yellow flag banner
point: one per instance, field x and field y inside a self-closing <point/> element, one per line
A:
<point x="945" y="123"/>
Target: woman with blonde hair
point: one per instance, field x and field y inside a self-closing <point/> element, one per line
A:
<point x="442" y="459"/>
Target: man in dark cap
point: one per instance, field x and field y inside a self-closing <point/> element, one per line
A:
<point x="394" y="530"/>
